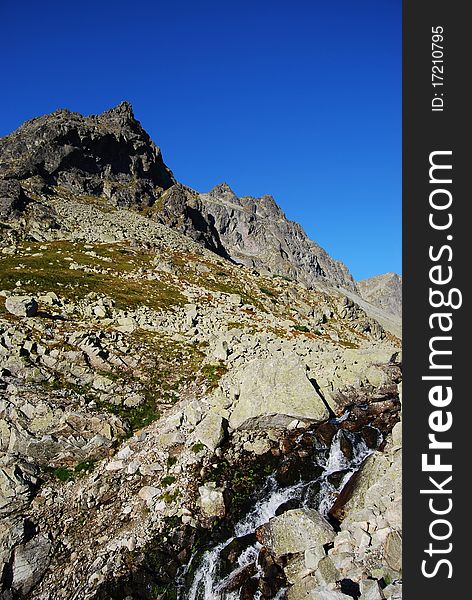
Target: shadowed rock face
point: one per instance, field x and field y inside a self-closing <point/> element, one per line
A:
<point x="383" y="291"/>
<point x="105" y="155"/>
<point x="182" y="208"/>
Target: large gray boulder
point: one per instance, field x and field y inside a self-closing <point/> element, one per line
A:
<point x="29" y="563"/>
<point x="295" y="531"/>
<point x="212" y="501"/>
<point x="376" y="487"/>
<point x="21" y="306"/>
<point x="273" y="392"/>
<point x="210" y="431"/>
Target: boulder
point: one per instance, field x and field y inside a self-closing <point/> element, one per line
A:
<point x="21" y="306"/>
<point x="273" y="392"/>
<point x="393" y="591"/>
<point x="238" y="578"/>
<point x="327" y="573"/>
<point x="210" y="431"/>
<point x="302" y="588"/>
<point x="17" y="486"/>
<point x="148" y="493"/>
<point x="370" y="590"/>
<point x="393" y="551"/>
<point x="29" y="563"/>
<point x="212" y="501"/>
<point x="377" y="485"/>
<point x="325" y="594"/>
<point x="295" y="531"/>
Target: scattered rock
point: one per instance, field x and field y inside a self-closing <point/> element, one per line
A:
<point x="212" y="500"/>
<point x="30" y="560"/>
<point x="148" y="493"/>
<point x="210" y="431"/>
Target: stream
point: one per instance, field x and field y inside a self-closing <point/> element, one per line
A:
<point x="210" y="580"/>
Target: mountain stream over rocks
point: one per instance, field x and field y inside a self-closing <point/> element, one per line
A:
<point x="238" y="567"/>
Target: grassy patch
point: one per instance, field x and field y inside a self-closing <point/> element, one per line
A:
<point x="213" y="373"/>
<point x="267" y="292"/>
<point x="137" y="416"/>
<point x="167" y="480"/>
<point x="69" y="474"/>
<point x="198" y="447"/>
<point x="41" y="270"/>
<point x="302" y="328"/>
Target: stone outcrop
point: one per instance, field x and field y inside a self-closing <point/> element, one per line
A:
<point x="296" y="531"/>
<point x="21" y="306"/>
<point x="108" y="155"/>
<point x="182" y="209"/>
<point x="370" y="512"/>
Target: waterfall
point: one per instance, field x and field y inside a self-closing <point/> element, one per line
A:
<point x="208" y="582"/>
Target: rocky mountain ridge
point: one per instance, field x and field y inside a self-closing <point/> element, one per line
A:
<point x="111" y="158"/>
<point x="107" y="155"/>
<point x="255" y="232"/>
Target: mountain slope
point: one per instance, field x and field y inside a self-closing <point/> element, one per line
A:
<point x="154" y="393"/>
<point x="383" y="291"/>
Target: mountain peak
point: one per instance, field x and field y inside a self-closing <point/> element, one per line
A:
<point x="107" y="155"/>
<point x="222" y="189"/>
<point x="110" y="157"/>
<point x="123" y="110"/>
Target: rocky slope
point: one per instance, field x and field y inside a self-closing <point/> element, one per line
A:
<point x="153" y="392"/>
<point x="383" y="291"/>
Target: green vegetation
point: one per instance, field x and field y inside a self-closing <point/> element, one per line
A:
<point x="167" y="480"/>
<point x="241" y="479"/>
<point x="137" y="416"/>
<point x="170" y="497"/>
<point x="69" y="474"/>
<point x="198" y="447"/>
<point x="41" y="270"/>
<point x="302" y="328"/>
<point x="267" y="292"/>
<point x="213" y="373"/>
<point x="216" y="280"/>
<point x="284" y="277"/>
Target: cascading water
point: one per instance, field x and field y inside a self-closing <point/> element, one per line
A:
<point x="210" y="581"/>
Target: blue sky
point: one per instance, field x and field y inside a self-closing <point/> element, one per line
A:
<point x="300" y="100"/>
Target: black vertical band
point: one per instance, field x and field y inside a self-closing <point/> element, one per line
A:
<point x="436" y="251"/>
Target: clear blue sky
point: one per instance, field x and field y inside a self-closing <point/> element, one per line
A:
<point x="301" y="99"/>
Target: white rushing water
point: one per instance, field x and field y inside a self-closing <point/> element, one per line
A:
<point x="208" y="583"/>
<point x="338" y="462"/>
